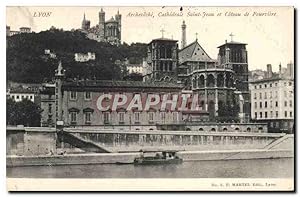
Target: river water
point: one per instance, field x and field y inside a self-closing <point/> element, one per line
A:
<point x="255" y="168"/>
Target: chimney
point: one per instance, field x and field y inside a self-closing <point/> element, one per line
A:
<point x="280" y="70"/>
<point x="183" y="35"/>
<point x="269" y="71"/>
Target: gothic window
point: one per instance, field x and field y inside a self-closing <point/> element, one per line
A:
<point x="170" y="66"/>
<point x="220" y="80"/>
<point x="194" y="82"/>
<point x="201" y="81"/>
<point x="210" y="81"/>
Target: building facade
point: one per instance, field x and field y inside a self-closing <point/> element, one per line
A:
<point x="162" y="60"/>
<point x="82" y="57"/>
<point x="214" y="83"/>
<point x="85" y="104"/>
<point x="48" y="115"/>
<point x="21" y="94"/>
<point x="272" y="101"/>
<point x="104" y="31"/>
<point x="10" y="32"/>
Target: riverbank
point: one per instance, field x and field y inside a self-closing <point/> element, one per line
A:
<point x="111" y="158"/>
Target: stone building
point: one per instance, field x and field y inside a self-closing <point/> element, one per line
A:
<point x="162" y="60"/>
<point x="233" y="55"/>
<point x="203" y="75"/>
<point x="84" y="57"/>
<point x="104" y="31"/>
<point x="83" y="104"/>
<point x="272" y="100"/>
<point x="20" y="94"/>
<point x="48" y="115"/>
<point x="10" y="32"/>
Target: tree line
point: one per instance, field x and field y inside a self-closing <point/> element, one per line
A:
<point x="28" y="63"/>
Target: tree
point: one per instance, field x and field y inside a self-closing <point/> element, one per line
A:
<point x="228" y="113"/>
<point x="24" y="113"/>
<point x="28" y="63"/>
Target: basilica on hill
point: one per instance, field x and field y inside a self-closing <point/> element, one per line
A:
<point x="104" y="31"/>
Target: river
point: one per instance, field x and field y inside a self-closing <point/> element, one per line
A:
<point x="255" y="168"/>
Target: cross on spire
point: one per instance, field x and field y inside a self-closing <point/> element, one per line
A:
<point x="196" y="36"/>
<point x="231" y="35"/>
<point x="162" y="32"/>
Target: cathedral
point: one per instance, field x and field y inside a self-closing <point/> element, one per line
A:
<point x="104" y="31"/>
<point x="222" y="83"/>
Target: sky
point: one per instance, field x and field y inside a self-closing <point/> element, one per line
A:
<point x="268" y="31"/>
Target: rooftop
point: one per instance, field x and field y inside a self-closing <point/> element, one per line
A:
<point x="163" y="39"/>
<point x="21" y="91"/>
<point x="276" y="78"/>
<point x="122" y="84"/>
<point x="232" y="43"/>
<point x="189" y="53"/>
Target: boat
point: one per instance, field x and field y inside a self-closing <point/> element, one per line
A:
<point x="164" y="157"/>
<point x="123" y="163"/>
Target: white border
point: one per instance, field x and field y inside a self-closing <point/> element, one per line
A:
<point x="112" y="3"/>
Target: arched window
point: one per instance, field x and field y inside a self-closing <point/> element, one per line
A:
<point x="213" y="129"/>
<point x="220" y="80"/>
<point x="194" y="83"/>
<point x="201" y="81"/>
<point x="248" y="129"/>
<point x="225" y="129"/>
<point x="210" y="82"/>
<point x="237" y="129"/>
<point x="200" y="129"/>
<point x="188" y="129"/>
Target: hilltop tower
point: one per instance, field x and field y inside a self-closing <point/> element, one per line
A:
<point x="118" y="18"/>
<point x="183" y="35"/>
<point x="85" y="25"/>
<point x="102" y="25"/>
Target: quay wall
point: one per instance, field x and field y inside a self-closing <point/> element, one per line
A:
<point x="120" y="141"/>
<point x="111" y="158"/>
<point x="43" y="141"/>
<point x="36" y="141"/>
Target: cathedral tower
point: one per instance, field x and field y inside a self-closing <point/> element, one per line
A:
<point x="85" y="25"/>
<point x="102" y="25"/>
<point x="118" y="18"/>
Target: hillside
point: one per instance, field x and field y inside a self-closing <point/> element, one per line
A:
<point x="27" y="63"/>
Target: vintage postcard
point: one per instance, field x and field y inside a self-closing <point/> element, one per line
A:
<point x="150" y="98"/>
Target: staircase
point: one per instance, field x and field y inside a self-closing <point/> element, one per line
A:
<point x="78" y="142"/>
<point x="279" y="141"/>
